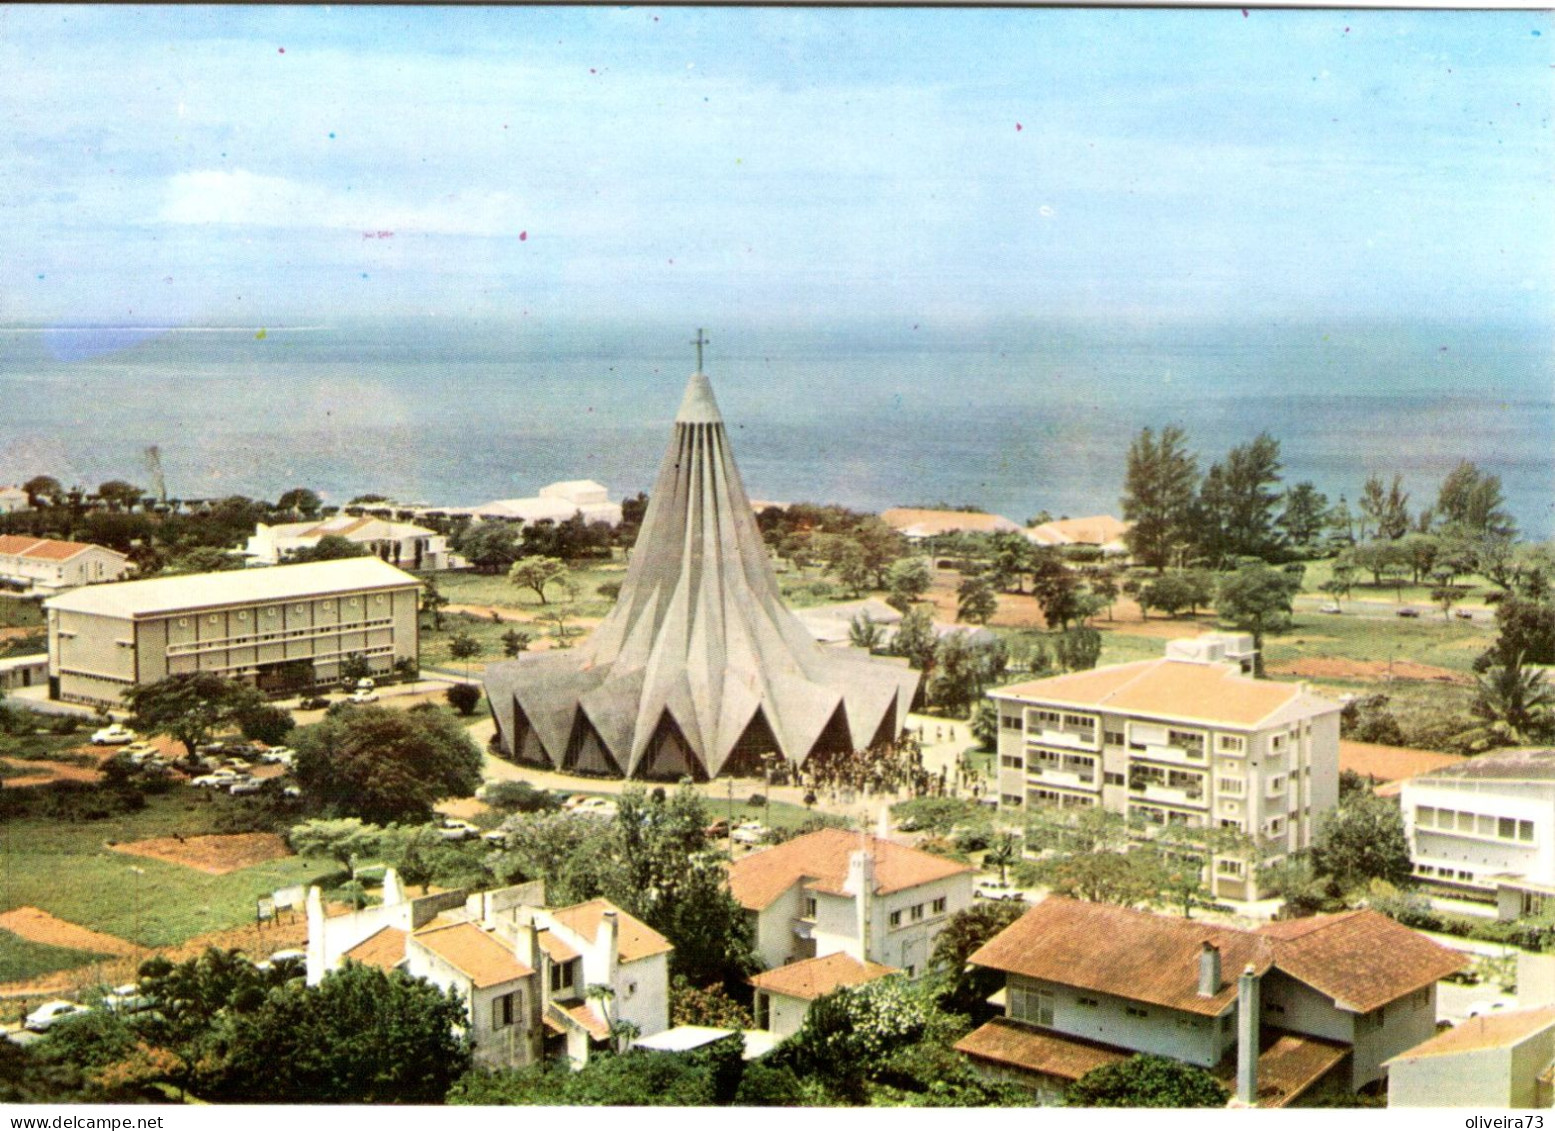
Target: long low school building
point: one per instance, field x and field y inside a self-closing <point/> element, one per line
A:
<point x="284" y="628"/>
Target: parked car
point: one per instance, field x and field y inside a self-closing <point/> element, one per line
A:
<point x="361" y="696"/>
<point x="140" y="753"/>
<point x="278" y="755"/>
<point x="1406" y="611"/>
<point x="51" y="1013"/>
<point x="219" y="779"/>
<point x="1464" y="614"/>
<point x="750" y="832"/>
<point x="365" y="684"/>
<point x="245" y="786"/>
<point x="1329" y="607"/>
<point x="596" y="807"/>
<point x="496" y="838"/>
<point x="453" y="828"/>
<point x="996" y="889"/>
<point x="127" y="999"/>
<point x="718" y="829"/>
<point x="313" y="703"/>
<point x="114" y="734"/>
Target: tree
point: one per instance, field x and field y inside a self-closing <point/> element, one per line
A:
<point x="1057" y="588"/>
<point x="537" y="573"/>
<point x="865" y="633"/>
<point x="355" y="667"/>
<point x="1146" y="1080"/>
<point x="1078" y="649"/>
<point x="202" y="559"/>
<point x="963" y="934"/>
<point x="985" y="724"/>
<point x="433" y="601"/>
<point x="343" y="839"/>
<point x="1236" y="516"/>
<point x="463" y="697"/>
<point x="916" y="640"/>
<point x="301" y="501"/>
<point x="976" y="600"/>
<point x="1125" y="878"/>
<point x="515" y="641"/>
<point x="1003" y="850"/>
<point x="118" y="493"/>
<point x="463" y="646"/>
<point x="963" y="670"/>
<point x="907" y="581"/>
<point x="330" y="548"/>
<point x="190" y="708"/>
<point x="881" y="545"/>
<point x="1361" y="840"/>
<point x="1257" y="599"/>
<point x="383" y="765"/>
<point x="1514" y="704"/>
<point x="361" y="1036"/>
<point x="1304" y="516"/>
<point x="43" y="490"/>
<point x="1158" y="493"/>
<point x="1170" y="592"/>
<point x="266" y="723"/>
<point x="845" y="560"/>
<point x="1472" y="502"/>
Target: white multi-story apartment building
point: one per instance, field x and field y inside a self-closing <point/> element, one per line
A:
<point x="1487" y="826"/>
<point x="833" y="891"/>
<point x="1179" y="740"/>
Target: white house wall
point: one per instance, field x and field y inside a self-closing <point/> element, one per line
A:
<point x="1166" y="1032"/>
<point x="1483" y="857"/>
<point x="642" y="994"/>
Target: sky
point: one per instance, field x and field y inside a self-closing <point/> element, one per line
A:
<point x="252" y="166"/>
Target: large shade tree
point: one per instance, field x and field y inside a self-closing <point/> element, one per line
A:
<point x="190" y="708"/>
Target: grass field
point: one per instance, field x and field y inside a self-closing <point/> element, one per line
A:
<point x="1473" y="589"/>
<point x="1428" y="640"/>
<point x="68" y="870"/>
<point x="22" y="958"/>
<point x="16" y="612"/>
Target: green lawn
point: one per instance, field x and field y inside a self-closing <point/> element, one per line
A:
<point x="494" y="589"/>
<point x="68" y="870"/>
<point x="1473" y="589"/>
<point x="16" y="612"/>
<point x="22" y="958"/>
<point x="1428" y="640"/>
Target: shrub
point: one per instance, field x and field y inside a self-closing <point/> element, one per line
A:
<point x="463" y="697"/>
<point x="64" y="725"/>
<point x="267" y="723"/>
<point x="519" y="797"/>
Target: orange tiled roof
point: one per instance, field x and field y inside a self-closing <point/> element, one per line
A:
<point x="816" y="977"/>
<point x="1132" y="954"/>
<point x="635" y="939"/>
<point x="555" y="948"/>
<point x="1288" y="1064"/>
<point x="583" y="1015"/>
<point x="1097" y="530"/>
<point x="1361" y="959"/>
<point x="1170" y="688"/>
<point x="920" y="520"/>
<point x="15" y="543"/>
<point x="1391" y="763"/>
<point x="384" y="949"/>
<point x="1490" y="1031"/>
<point x="1005" y="1042"/>
<point x="47" y="549"/>
<point x="473" y="952"/>
<point x="821" y="858"/>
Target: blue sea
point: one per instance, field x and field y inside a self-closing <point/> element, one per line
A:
<point x="1014" y="417"/>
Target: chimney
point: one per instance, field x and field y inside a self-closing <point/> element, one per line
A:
<point x="610" y="931"/>
<point x="1247" y="1026"/>
<point x="1209" y="970"/>
<point x="393" y="889"/>
<point x="861" y="886"/>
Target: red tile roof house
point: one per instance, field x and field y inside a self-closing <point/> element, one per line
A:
<point x="783" y="996"/>
<point x="834" y="891"/>
<point x="1272" y="1012"/>
<point x="523" y="969"/>
<point x="48" y="565"/>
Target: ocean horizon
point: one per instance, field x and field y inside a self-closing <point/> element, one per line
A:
<point x="1014" y="417"/>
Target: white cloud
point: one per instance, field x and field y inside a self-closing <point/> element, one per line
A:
<point x="253" y="200"/>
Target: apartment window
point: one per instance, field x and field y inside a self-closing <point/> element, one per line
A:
<point x="1231" y="743"/>
<point x="938" y="906"/>
<point x="1010" y="722"/>
<point x="1231" y="823"/>
<point x="912" y="971"/>
<point x="1425" y="816"/>
<point x="1010" y="799"/>
<point x="1088" y="1002"/>
<point x="503" y="1010"/>
<point x="1525" y="831"/>
<point x="1229" y="868"/>
<point x="561" y="977"/>
<point x="917" y="912"/>
<point x="809" y="907"/>
<point x="1277" y="742"/>
<point x="1012" y="761"/>
<point x="1136" y="1011"/>
<point x="896" y="918"/>
<point x="1034" y="1006"/>
<point x="1114" y="738"/>
<point x="1230" y="785"/>
<point x="1114" y="779"/>
<point x="1276" y="826"/>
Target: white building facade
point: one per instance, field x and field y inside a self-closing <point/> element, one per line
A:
<point x="400" y="544"/>
<point x="1179" y="740"/>
<point x="48" y="565"/>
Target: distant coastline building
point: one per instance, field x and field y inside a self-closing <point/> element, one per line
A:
<point x="699" y="669"/>
<point x="1102" y="531"/>
<point x="1187" y="739"/>
<point x="556" y="502"/>
<point x="284" y="628"/>
<point x="918" y="523"/>
<point x="398" y="543"/>
<point x="13" y="499"/>
<point x="48" y="565"/>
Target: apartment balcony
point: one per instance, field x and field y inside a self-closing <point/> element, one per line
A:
<point x="1182" y="756"/>
<point x="1170" y="795"/>
<point x="1047" y="775"/>
<point x="1066" y="738"/>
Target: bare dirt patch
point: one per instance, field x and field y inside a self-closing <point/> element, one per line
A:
<point x="39" y="926"/>
<point x="213" y="855"/>
<point x="1320" y="667"/>
<point x="39" y="772"/>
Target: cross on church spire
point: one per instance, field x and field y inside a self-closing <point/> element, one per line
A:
<point x="699" y="341"/>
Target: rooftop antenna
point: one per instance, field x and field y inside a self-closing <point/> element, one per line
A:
<point x="699" y="341"/>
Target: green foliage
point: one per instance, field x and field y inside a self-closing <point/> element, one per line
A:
<point x="1078" y="649"/>
<point x="266" y="723"/>
<point x="706" y="1005"/>
<point x="865" y="633"/>
<point x="940" y="815"/>
<point x="963" y="670"/>
<point x="1159" y="485"/>
<point x="985" y="724"/>
<point x="382" y="765"/>
<point x="515" y="641"/>
<point x="1257" y="599"/>
<point x="907" y="581"/>
<point x="764" y="1086"/>
<point x="536" y="573"/>
<point x="976" y="600"/>
<point x="962" y="935"/>
<point x="330" y="548"/>
<point x="355" y="667"/>
<point x="190" y="708"/>
<point x="915" y="639"/>
<point x="463" y="697"/>
<point x="88" y="1040"/>
<point x="1146" y="1081"/>
<point x="851" y="1029"/>
<point x="1361" y="840"/>
<point x="520" y="797"/>
<point x="361" y="1036"/>
<point x="343" y="839"/>
<point x="23" y="958"/>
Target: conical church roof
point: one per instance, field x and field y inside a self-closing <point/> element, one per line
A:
<point x="699" y="669"/>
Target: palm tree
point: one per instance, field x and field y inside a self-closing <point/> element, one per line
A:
<point x="1514" y="704"/>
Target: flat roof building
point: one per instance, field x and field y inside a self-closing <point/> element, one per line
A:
<point x="285" y="628"/>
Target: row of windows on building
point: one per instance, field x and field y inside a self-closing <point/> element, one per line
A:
<point x="1479" y="824"/>
<point x="1193" y="743"/>
<point x="916" y="912"/>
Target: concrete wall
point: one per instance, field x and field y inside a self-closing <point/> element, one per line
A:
<point x="92" y="656"/>
<point x="1405" y="1024"/>
<point x="1467" y="1079"/>
<point x="785" y="1015"/>
<point x="508" y="1046"/>
<point x="775" y="940"/>
<point x="643" y="994"/>
<point x="1483" y="856"/>
<point x="1167" y="1032"/>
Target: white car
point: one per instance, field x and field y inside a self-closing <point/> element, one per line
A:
<point x="221" y="779"/>
<point x="751" y="832"/>
<point x="596" y="807"/>
<point x="139" y="753"/>
<point x="244" y="785"/>
<point x="365" y="684"/>
<point x="1331" y="607"/>
<point x="127" y="999"/>
<point x="361" y="696"/>
<point x="455" y="829"/>
<point x="113" y="735"/>
<point x="279" y="755"/>
<point x="49" y="1014"/>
